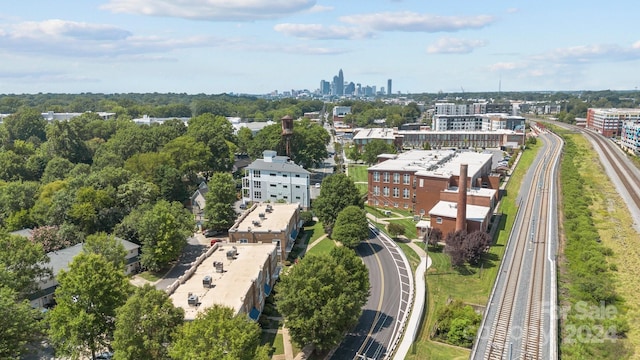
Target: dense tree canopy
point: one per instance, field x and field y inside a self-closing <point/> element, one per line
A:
<point x="163" y="232"/>
<point x="337" y="192"/>
<point x="83" y="321"/>
<point x="220" y="199"/>
<point x="322" y="297"/>
<point x="20" y="324"/>
<point x="351" y="226"/>
<point x="374" y="148"/>
<point x="145" y="325"/>
<point x="22" y="264"/>
<point x="217" y="333"/>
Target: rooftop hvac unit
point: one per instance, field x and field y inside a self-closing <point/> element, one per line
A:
<point x="192" y="300"/>
<point x="207" y="282"/>
<point x="219" y="266"/>
<point x="231" y="254"/>
<point x="256" y="223"/>
<point x="261" y="215"/>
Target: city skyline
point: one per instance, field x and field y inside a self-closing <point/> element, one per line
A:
<point x="260" y="46"/>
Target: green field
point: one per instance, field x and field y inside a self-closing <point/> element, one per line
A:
<point x="358" y="173"/>
<point x="323" y="247"/>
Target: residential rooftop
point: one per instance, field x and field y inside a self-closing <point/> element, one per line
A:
<point x="265" y="217"/>
<point x="449" y="209"/>
<point x="229" y="287"/>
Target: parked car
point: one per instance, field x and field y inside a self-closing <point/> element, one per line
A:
<point x="243" y="206"/>
<point x="108" y="355"/>
<point x="215" y="240"/>
<point x="211" y="233"/>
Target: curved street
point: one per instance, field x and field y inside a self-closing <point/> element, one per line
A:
<point x="386" y="309"/>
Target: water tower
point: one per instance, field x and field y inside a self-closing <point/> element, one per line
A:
<point x="287" y="131"/>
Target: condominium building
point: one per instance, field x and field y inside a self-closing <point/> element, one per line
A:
<point x="418" y="179"/>
<point x="465" y="139"/>
<point x="608" y="122"/>
<point x="630" y="136"/>
<point x="275" y="178"/>
<point x="277" y="224"/>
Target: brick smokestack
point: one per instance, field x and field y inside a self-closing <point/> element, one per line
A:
<point x="461" y="218"/>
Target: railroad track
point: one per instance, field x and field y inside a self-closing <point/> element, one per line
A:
<point x="624" y="171"/>
<point x="525" y="274"/>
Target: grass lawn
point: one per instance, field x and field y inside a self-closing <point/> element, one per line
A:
<point x="470" y="284"/>
<point x="323" y="247"/>
<point x="316" y="230"/>
<point x="409" y="227"/>
<point x="358" y="172"/>
<point x="412" y="256"/>
<point x="362" y="188"/>
<point x="278" y="345"/>
<point x="269" y="338"/>
<point x="614" y="224"/>
<point x="151" y="276"/>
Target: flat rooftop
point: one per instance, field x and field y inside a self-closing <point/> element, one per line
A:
<point x="275" y="220"/>
<point x="414" y="160"/>
<point x="474" y="191"/>
<point x="449" y="209"/>
<point x="474" y="160"/>
<point x="230" y="287"/>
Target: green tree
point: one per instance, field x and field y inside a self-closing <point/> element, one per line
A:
<point x="146" y="164"/>
<point x="309" y="143"/>
<point x="88" y="294"/>
<point x="145" y="324"/>
<point x="351" y="227"/>
<point x="337" y="192"/>
<point x="170" y="184"/>
<point x="245" y="137"/>
<point x="395" y="229"/>
<point x="322" y="297"/>
<point x="374" y="148"/>
<point x="217" y="334"/>
<point x="64" y="141"/>
<point x="22" y="264"/>
<point x="57" y="169"/>
<point x="107" y="246"/>
<point x="25" y="124"/>
<point x="190" y="155"/>
<point x="163" y="231"/>
<point x="20" y="324"/>
<point x="220" y="200"/>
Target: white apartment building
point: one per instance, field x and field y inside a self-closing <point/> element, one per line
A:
<point x="478" y="122"/>
<point x="275" y="178"/>
<point x="630" y="137"/>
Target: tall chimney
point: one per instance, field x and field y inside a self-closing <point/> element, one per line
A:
<point x="461" y="218"/>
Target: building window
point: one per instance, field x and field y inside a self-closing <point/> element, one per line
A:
<point x="256" y="173"/>
<point x="297" y="175"/>
<point x="385" y="177"/>
<point x="272" y="185"/>
<point x="297" y="186"/>
<point x="273" y="196"/>
<point x="396" y="178"/>
<point x="284" y="175"/>
<point x="421" y="182"/>
<point x="272" y="174"/>
<point x="376" y="176"/>
<point x="257" y="184"/>
<point x="405" y="193"/>
<point x="243" y="241"/>
<point x="257" y="194"/>
<point x="297" y="197"/>
<point x="438" y="220"/>
<point x="406" y="206"/>
<point x="396" y="192"/>
<point x="385" y="191"/>
<point x="406" y="178"/>
<point x="376" y="191"/>
<point x="376" y="202"/>
<point x="285" y="186"/>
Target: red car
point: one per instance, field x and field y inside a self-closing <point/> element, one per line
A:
<point x="213" y="241"/>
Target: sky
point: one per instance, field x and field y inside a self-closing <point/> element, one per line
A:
<point x="260" y="46"/>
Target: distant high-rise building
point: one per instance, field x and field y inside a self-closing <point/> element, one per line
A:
<point x="389" y="87"/>
<point x="325" y="87"/>
<point x="340" y="86"/>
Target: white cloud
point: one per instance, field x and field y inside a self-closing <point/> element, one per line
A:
<point x="56" y="28"/>
<point x="414" y="22"/>
<point x="215" y="10"/>
<point x="320" y="8"/>
<point x="322" y="32"/>
<point x="506" y="66"/>
<point x="74" y="39"/>
<point x="454" y="46"/>
<point x="591" y="53"/>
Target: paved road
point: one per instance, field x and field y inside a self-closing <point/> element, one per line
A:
<point x="385" y="309"/>
<point x="191" y="252"/>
